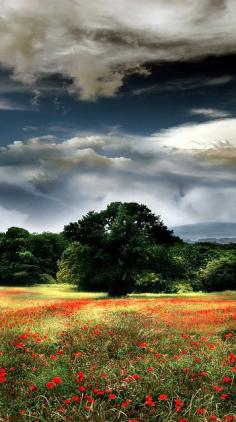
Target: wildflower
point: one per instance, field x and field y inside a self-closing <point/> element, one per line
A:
<point x="213" y="418"/>
<point x="20" y="345"/>
<point x="53" y="357"/>
<point x="126" y="403"/>
<point x="89" y="399"/>
<point x="75" y="398"/>
<point x="178" y="402"/>
<point x="149" y="401"/>
<point x="217" y="388"/>
<point x="67" y="401"/>
<point x="227" y="379"/>
<point x="51" y="384"/>
<point x="76" y="354"/>
<point x="203" y="374"/>
<point x="80" y="376"/>
<point x="143" y="345"/>
<point x="82" y="388"/>
<point x="162" y="397"/>
<point x="112" y="396"/>
<point x="224" y="396"/>
<point x="228" y="335"/>
<point x="33" y="388"/>
<point x="57" y="380"/>
<point x="201" y="411"/>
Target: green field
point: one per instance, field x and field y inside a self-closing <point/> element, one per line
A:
<point x="72" y="356"/>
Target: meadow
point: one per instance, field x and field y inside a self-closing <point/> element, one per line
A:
<point x="70" y="356"/>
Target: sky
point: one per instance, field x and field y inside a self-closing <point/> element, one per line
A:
<point x="105" y="101"/>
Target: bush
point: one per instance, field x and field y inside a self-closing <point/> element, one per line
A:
<point x="153" y="283"/>
<point x="182" y="287"/>
<point x="69" y="265"/>
<point x="47" y="279"/>
<point x="219" y="274"/>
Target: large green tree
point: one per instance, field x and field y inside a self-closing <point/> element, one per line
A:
<point x="116" y="245"/>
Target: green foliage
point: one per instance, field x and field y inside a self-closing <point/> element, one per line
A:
<point x="117" y="245"/>
<point x="153" y="283"/>
<point x="219" y="274"/>
<point x="121" y="249"/>
<point x="29" y="258"/>
<point x="69" y="265"/>
<point x="182" y="287"/>
<point x="48" y="248"/>
<point x="198" y="261"/>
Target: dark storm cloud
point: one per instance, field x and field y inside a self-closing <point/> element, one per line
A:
<point x="96" y="44"/>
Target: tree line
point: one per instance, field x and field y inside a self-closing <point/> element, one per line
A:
<point x="122" y="249"/>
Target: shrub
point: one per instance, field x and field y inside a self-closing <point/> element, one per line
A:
<point x="219" y="274"/>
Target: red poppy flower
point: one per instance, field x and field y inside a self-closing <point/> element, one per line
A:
<point x="57" y="380"/>
<point x="201" y="411"/>
<point x="162" y="397"/>
<point x="67" y="401"/>
<point x="51" y="384"/>
<point x="224" y="396"/>
<point x="217" y="388"/>
<point x="227" y="379"/>
<point x="53" y="357"/>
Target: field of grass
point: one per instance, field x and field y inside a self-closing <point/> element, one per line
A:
<point x="68" y="356"/>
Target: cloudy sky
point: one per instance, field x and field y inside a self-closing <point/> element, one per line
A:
<point x="129" y="100"/>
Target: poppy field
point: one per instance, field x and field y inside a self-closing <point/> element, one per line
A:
<point x="66" y="356"/>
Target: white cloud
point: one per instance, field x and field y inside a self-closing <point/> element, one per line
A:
<point x="10" y="217"/>
<point x="195" y="136"/>
<point x="184" y="84"/>
<point x="97" y="43"/>
<point x="8" y="105"/>
<point x="186" y="174"/>
<point x="210" y="113"/>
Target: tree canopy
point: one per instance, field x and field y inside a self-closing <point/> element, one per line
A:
<point x="28" y="258"/>
<point x="116" y="244"/>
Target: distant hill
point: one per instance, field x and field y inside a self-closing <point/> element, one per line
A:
<point x="221" y="240"/>
<point x="207" y="232"/>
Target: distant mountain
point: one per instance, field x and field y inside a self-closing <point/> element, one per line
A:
<point x="211" y="232"/>
<point x="221" y="240"/>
